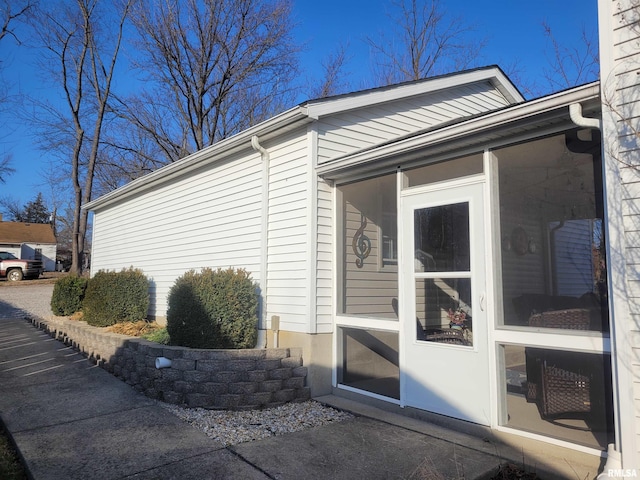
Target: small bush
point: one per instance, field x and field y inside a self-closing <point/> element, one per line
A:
<point x="213" y="309"/>
<point x="160" y="336"/>
<point x="114" y="297"/>
<point x="68" y="293"/>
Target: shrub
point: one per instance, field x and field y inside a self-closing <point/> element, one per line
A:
<point x="68" y="293"/>
<point x="213" y="309"/>
<point x="114" y="297"/>
<point x="159" y="336"/>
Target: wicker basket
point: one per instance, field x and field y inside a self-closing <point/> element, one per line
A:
<point x="573" y="319"/>
<point x="560" y="383"/>
<point x="564" y="392"/>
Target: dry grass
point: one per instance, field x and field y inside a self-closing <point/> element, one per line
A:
<point x="134" y="329"/>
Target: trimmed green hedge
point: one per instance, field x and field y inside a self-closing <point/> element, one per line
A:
<point x="213" y="309"/>
<point x="114" y="297"/>
<point x="68" y="294"/>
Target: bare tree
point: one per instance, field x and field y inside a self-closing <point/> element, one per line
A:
<point x="13" y="10"/>
<point x="5" y="168"/>
<point x="83" y="55"/>
<point x="423" y="41"/>
<point x="215" y="67"/>
<point x="571" y="65"/>
<point x="333" y="82"/>
<point x="11" y="207"/>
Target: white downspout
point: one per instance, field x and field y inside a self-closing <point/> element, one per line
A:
<point x="613" y="463"/>
<point x="575" y="112"/>
<point x="264" y="237"/>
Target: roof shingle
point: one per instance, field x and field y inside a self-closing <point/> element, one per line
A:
<point x="18" y="232"/>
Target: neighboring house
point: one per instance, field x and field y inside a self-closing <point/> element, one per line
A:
<point x="439" y="245"/>
<point x="31" y="241"/>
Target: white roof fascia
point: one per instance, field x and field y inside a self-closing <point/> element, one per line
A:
<point x="331" y="106"/>
<point x="291" y="117"/>
<point x="486" y="122"/>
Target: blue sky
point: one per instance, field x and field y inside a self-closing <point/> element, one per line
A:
<point x="512" y="29"/>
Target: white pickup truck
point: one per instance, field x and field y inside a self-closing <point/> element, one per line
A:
<point x="15" y="269"/>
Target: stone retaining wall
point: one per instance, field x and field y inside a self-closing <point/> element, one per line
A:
<point x="219" y="379"/>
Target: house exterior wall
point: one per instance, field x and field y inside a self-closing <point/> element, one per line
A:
<point x="353" y="130"/>
<point x="12" y="249"/>
<point x="28" y="251"/>
<point x="214" y="216"/>
<point x="324" y="258"/>
<point x="288" y="293"/>
<point x="214" y="220"/>
<point x="619" y="27"/>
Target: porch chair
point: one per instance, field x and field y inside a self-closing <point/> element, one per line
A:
<point x="560" y="383"/>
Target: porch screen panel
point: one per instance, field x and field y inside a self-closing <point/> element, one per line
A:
<point x="369" y="236"/>
<point x="552" y="240"/>
<point x="560" y="394"/>
<point x="370" y="361"/>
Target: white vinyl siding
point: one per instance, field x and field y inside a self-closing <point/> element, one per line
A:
<point x="210" y="218"/>
<point x="288" y="268"/>
<point x="620" y="60"/>
<point x="350" y="131"/>
<point x="572" y="250"/>
<point x="627" y="107"/>
<point x="324" y="259"/>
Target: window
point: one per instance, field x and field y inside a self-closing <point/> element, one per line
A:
<point x="389" y="235"/>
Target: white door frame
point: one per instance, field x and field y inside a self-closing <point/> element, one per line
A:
<point x="472" y="189"/>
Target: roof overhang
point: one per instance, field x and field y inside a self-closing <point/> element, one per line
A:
<point x="266" y="130"/>
<point x="542" y="115"/>
<point x="341" y="103"/>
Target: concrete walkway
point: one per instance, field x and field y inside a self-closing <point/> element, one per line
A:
<point x="72" y="420"/>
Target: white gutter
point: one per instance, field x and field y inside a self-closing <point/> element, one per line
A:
<point x="264" y="252"/>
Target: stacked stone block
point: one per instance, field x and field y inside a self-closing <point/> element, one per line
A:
<point x="216" y="379"/>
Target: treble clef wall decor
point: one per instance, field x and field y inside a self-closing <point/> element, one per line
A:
<point x="361" y="244"/>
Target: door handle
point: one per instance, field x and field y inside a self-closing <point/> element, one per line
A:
<point x="482" y="298"/>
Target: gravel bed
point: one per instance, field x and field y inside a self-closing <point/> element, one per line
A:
<point x="231" y="427"/>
